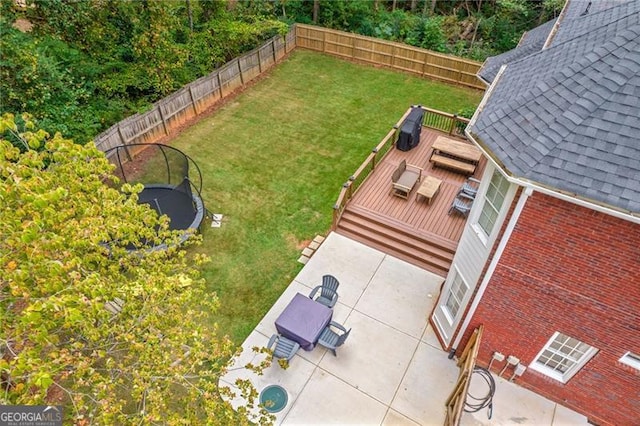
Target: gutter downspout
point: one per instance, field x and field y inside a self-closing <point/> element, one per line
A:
<point x="524" y="196"/>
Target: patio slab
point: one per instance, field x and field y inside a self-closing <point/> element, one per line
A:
<point x="391" y="370"/>
<point x="373" y="359"/>
<point x="428" y="381"/>
<point x="329" y="400"/>
<point x="293" y="379"/>
<point x="411" y="291"/>
<point x="513" y="404"/>
<point x="394" y="418"/>
<point x="353" y="264"/>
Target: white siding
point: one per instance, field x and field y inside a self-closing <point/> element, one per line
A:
<point x="473" y="250"/>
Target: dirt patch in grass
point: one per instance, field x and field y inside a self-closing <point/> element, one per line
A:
<point x="294" y="242"/>
<point x="23" y="25"/>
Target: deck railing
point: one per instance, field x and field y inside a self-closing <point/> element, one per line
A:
<point x="434" y="119"/>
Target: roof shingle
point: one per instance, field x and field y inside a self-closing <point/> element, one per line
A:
<point x="568" y="116"/>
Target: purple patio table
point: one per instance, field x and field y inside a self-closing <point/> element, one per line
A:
<point x="303" y="320"/>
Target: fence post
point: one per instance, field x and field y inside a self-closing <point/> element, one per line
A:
<point x="393" y="56"/>
<point x="273" y="48"/>
<point x="124" y="142"/>
<point x="259" y="61"/>
<point x="373" y="161"/>
<point x="353" y="47"/>
<point x="334" y="222"/>
<point x="453" y="124"/>
<point x="240" y="68"/>
<point x="285" y="41"/>
<point x="219" y="84"/>
<point x="164" y="123"/>
<point x="193" y="101"/>
<point x="324" y="41"/>
<point x="424" y="63"/>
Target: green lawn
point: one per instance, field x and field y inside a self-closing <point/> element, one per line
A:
<point x="273" y="160"/>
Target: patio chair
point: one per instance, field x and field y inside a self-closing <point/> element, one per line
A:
<point x="330" y="339"/>
<point x="404" y="178"/>
<point x="285" y="348"/>
<point x="461" y="204"/>
<point x="328" y="291"/>
<point x="470" y="187"/>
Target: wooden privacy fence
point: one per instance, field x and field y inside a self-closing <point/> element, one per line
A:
<point x="174" y="110"/>
<point x="466" y="363"/>
<point x="398" y="56"/>
<point x="434" y="119"/>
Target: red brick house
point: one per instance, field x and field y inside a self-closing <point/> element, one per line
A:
<point x="549" y="260"/>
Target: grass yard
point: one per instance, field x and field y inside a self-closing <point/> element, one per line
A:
<point x="273" y="160"/>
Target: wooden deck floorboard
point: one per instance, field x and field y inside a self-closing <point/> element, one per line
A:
<point x="414" y="216"/>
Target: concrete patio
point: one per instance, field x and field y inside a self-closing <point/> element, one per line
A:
<point x="391" y="370"/>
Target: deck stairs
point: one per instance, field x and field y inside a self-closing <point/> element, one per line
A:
<point x="420" y="248"/>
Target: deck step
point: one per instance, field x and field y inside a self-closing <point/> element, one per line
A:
<point x="382" y="233"/>
<point x="424" y="250"/>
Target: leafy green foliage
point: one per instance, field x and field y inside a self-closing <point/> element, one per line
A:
<point x="428" y="34"/>
<point x="88" y="64"/>
<point x="48" y="79"/>
<point x="116" y="337"/>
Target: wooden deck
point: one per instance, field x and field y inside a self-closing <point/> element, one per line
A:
<point x="421" y="233"/>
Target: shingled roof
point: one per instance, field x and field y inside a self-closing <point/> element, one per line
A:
<point x="568" y="117"/>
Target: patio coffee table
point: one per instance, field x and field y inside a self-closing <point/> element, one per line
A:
<point x="303" y="320"/>
<point x="429" y="188"/>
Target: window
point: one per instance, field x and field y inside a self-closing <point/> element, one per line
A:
<point x="562" y="357"/>
<point x="456" y="295"/>
<point x="493" y="200"/>
<point x="631" y="359"/>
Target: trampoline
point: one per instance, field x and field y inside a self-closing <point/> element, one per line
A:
<point x="168" y="187"/>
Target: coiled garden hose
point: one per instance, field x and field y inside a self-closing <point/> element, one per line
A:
<point x="474" y="404"/>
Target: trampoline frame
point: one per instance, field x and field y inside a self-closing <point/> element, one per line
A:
<point x="196" y="197"/>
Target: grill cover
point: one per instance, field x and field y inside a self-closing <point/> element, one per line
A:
<point x="409" y="136"/>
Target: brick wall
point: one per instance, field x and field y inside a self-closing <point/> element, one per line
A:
<point x="577" y="271"/>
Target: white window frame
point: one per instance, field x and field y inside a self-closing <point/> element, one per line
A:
<point x="572" y="370"/>
<point x="461" y="306"/>
<point x="631" y="359"/>
<point x="489" y="204"/>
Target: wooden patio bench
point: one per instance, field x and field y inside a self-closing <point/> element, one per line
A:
<point x="404" y="178"/>
<point x="453" y="164"/>
<point x="455" y="155"/>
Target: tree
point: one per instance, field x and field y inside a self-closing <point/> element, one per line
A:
<point x="116" y="337"/>
<point x="316" y="9"/>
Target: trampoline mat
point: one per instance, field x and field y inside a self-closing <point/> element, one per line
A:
<point x="175" y="204"/>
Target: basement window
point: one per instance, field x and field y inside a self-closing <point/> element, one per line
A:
<point x="631" y="359"/>
<point x="562" y="357"/>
